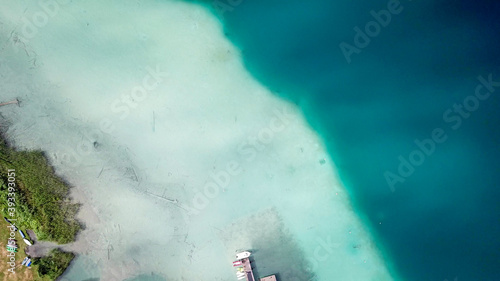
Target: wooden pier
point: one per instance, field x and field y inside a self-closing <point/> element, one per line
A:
<point x="248" y="269"/>
<point x="269" y="278"/>
<point x="244" y="268"/>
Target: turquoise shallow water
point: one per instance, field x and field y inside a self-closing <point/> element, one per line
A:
<point x="170" y="174"/>
<point x="440" y="222"/>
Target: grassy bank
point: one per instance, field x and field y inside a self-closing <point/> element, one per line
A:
<point x="40" y="203"/>
<point x="54" y="264"/>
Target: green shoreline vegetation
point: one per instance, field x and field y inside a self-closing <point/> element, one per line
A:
<point x="41" y="204"/>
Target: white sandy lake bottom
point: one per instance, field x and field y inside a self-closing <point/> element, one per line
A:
<point x="178" y="156"/>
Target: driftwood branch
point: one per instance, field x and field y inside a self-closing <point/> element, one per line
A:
<point x="16" y="101"/>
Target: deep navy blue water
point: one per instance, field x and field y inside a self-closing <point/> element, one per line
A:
<point x="442" y="221"/>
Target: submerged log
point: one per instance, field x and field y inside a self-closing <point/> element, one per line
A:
<point x="16" y="101"/>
